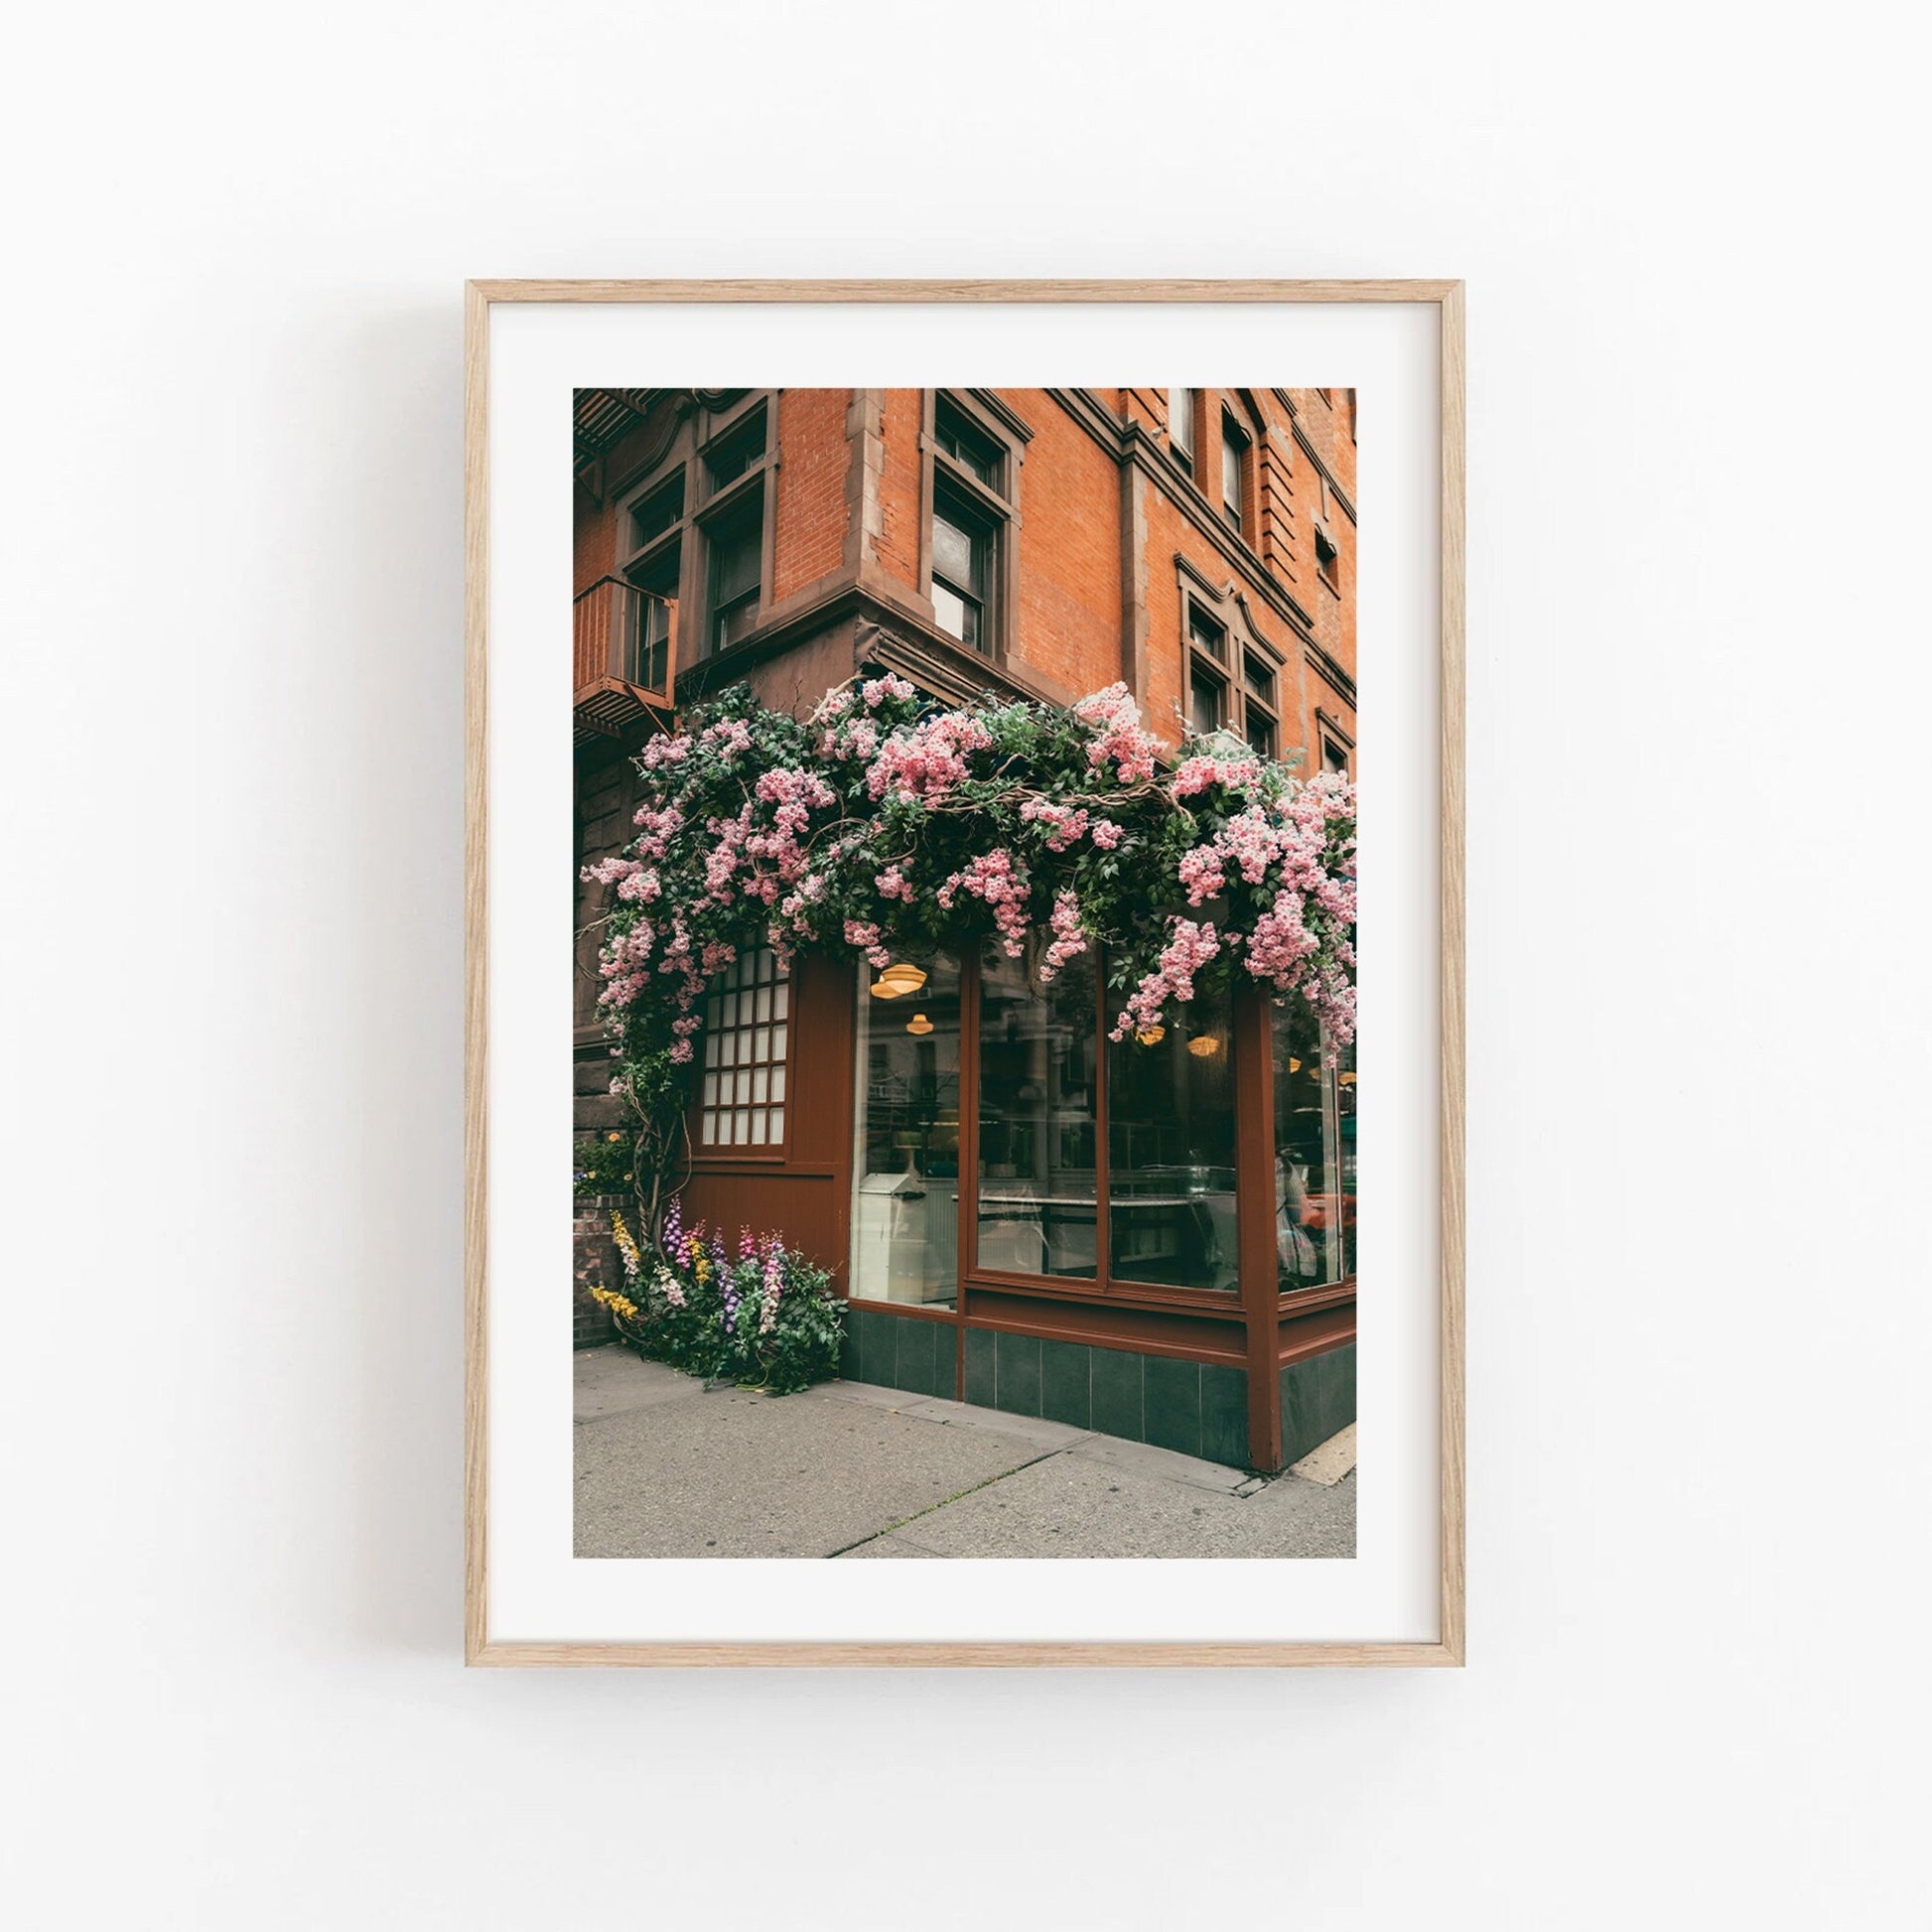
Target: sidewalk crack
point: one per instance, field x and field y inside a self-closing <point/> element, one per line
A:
<point x="946" y="1502"/>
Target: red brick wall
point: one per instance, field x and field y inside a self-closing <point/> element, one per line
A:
<point x="595" y="1263"/>
<point x="1067" y="633"/>
<point x="813" y="462"/>
<point x="898" y="546"/>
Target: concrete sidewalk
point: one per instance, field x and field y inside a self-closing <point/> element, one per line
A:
<point x="846" y="1470"/>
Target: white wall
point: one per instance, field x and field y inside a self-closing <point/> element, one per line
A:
<point x="229" y="762"/>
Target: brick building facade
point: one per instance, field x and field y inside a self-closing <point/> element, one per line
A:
<point x="1198" y="545"/>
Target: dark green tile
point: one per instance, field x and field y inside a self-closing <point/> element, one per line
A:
<point x="979" y="1366"/>
<point x="913" y="1361"/>
<point x="1065" y="1384"/>
<point x="1016" y="1375"/>
<point x="1224" y="1414"/>
<point x="1174" y="1403"/>
<point x="1318" y="1400"/>
<point x="1341" y="1390"/>
<point x="1116" y="1393"/>
<point x="877" y="1336"/>
<point x="849" y="1359"/>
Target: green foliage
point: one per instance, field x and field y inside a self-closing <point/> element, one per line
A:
<point x="766" y="1319"/>
<point x="887" y="823"/>
<point x="601" y="1164"/>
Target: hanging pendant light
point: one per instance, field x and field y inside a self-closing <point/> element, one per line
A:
<point x="900" y="978"/>
<point x="918" y="1023"/>
<point x="1205" y="1046"/>
<point x="1152" y="1035"/>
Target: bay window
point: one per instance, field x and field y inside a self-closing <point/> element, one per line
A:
<point x="1001" y="1132"/>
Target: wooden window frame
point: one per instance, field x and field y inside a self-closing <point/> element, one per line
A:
<point x="771" y="1153"/>
<point x="1251" y="1054"/>
<point x="994" y="506"/>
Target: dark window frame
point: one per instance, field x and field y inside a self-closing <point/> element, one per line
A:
<point x="1241" y="706"/>
<point x="706" y="509"/>
<point x="993" y="506"/>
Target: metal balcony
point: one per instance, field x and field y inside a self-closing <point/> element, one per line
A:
<point x="624" y="649"/>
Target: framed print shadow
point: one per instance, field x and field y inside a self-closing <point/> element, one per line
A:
<point x="964" y="985"/>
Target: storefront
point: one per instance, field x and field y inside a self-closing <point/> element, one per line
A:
<point x="1153" y="1237"/>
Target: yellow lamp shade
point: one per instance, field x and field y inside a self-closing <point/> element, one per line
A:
<point x="1205" y="1046"/>
<point x="1152" y="1036"/>
<point x="900" y="978"/>
<point x="918" y="1023"/>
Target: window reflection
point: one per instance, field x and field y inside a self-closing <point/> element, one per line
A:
<point x="1037" y="1148"/>
<point x="1171" y="1200"/>
<point x="1314" y="1154"/>
<point x="906" y="1187"/>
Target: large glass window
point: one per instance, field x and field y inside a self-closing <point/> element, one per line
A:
<point x="745" y="1034"/>
<point x="1170" y="1164"/>
<point x="906" y="1178"/>
<point x="1036" y="1120"/>
<point x="1314" y="1154"/>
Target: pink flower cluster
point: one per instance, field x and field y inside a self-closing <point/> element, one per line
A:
<point x="657" y="830"/>
<point x="893" y="884"/>
<point x="1202" y="773"/>
<point x="1066" y="822"/>
<point x="1116" y="723"/>
<point x="774" y="1284"/>
<point x="796" y="794"/>
<point x="731" y="736"/>
<point x="869" y="939"/>
<point x="1069" y="937"/>
<point x="876" y="690"/>
<point x="672" y="749"/>
<point x="1106" y="834"/>
<point x="1000" y="883"/>
<point x="926" y="762"/>
<point x="1189" y="947"/>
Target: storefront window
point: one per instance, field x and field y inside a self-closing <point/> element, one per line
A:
<point x="1171" y="1201"/>
<point x="1036" y="1120"/>
<point x="1314" y="1154"/>
<point x="906" y="1187"/>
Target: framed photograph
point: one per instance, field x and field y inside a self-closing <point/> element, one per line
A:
<point x="964" y="974"/>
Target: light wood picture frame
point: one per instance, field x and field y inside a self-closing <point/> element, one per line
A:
<point x="1445" y="298"/>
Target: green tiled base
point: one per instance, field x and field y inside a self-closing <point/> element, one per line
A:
<point x="1318" y="1400"/>
<point x="900" y="1351"/>
<point x="1199" y="1408"/>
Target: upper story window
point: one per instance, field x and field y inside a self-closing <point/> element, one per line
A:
<point x="736" y="546"/>
<point x="1328" y="558"/>
<point x="961" y="545"/>
<point x="1234" y="464"/>
<point x="691" y="538"/>
<point x="1181" y="426"/>
<point x="972" y="464"/>
<point x="968" y="447"/>
<point x="1232" y="678"/>
<point x="1260" y="710"/>
<point x="737" y="451"/>
<point x="660" y="511"/>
